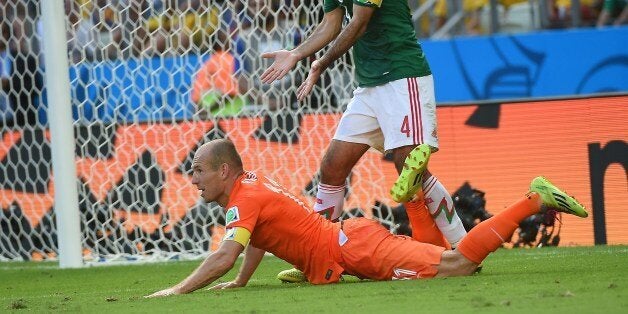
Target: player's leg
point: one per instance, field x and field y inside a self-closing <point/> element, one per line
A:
<point x="336" y="165"/>
<point x="437" y="198"/>
<point x="396" y="108"/>
<point x="453" y="263"/>
<point x="374" y="253"/>
<point x="416" y="181"/>
<point x="424" y="228"/>
<point x="421" y="127"/>
<point x="357" y="130"/>
<point x="412" y="169"/>
<point x="441" y="207"/>
<point x="489" y="235"/>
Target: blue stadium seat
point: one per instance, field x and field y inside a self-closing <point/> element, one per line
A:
<point x="131" y="91"/>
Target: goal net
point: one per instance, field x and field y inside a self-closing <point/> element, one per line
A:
<point x="150" y="81"/>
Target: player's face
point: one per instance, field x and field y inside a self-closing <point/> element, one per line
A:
<point x="207" y="180"/>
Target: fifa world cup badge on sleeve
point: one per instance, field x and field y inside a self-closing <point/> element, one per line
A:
<point x="229" y="234"/>
<point x="232" y="215"/>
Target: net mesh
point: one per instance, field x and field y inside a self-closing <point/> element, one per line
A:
<point x="150" y="82"/>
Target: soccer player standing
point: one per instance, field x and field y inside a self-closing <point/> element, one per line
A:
<point x="392" y="110"/>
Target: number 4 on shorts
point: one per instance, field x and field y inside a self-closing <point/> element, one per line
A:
<point x="405" y="126"/>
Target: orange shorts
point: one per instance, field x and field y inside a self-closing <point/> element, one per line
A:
<point x="373" y="252"/>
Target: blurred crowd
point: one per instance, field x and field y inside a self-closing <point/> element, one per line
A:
<point x="20" y="74"/>
<point x="233" y="33"/>
<point x="550" y="14"/>
<point x="101" y="29"/>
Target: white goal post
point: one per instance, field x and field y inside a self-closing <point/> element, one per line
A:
<point x="61" y="134"/>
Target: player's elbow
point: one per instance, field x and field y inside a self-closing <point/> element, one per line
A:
<point x="225" y="265"/>
<point x="361" y="19"/>
<point x="356" y="28"/>
<point x="332" y="23"/>
<point x="334" y="28"/>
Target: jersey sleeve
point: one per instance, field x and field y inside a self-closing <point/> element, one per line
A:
<point x="369" y="3"/>
<point x="237" y="234"/>
<point x="330" y="5"/>
<point x="242" y="213"/>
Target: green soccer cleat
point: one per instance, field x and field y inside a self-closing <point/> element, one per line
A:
<point x="292" y="276"/>
<point x="554" y="198"/>
<point x="410" y="180"/>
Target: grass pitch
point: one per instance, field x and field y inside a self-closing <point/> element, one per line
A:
<point x="551" y="280"/>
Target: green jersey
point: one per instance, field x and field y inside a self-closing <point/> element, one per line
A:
<point x="388" y="50"/>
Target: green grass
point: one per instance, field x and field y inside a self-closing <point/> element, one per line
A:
<point x="551" y="280"/>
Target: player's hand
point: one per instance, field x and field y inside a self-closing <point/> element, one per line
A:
<point x="162" y="293"/>
<point x="284" y="62"/>
<point x="226" y="285"/>
<point x="310" y="81"/>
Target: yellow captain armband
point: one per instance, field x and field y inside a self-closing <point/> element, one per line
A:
<point x="238" y="234"/>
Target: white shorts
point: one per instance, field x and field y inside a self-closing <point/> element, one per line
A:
<point x="398" y="113"/>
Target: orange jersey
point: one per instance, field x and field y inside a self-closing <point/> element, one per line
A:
<point x="283" y="225"/>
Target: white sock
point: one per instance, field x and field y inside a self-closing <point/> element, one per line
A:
<point x="330" y="200"/>
<point x="441" y="207"/>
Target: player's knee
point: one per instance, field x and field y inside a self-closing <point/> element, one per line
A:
<point x="453" y="263"/>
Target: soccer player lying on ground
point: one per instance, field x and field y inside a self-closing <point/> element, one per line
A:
<point x="263" y="216"/>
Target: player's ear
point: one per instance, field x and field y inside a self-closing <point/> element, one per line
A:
<point x="224" y="170"/>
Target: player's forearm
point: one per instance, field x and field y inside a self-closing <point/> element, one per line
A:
<point x="252" y="258"/>
<point x="212" y="268"/>
<point x="347" y="38"/>
<point x="344" y="42"/>
<point x="323" y="34"/>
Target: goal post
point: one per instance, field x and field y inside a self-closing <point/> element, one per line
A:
<point x="61" y="135"/>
